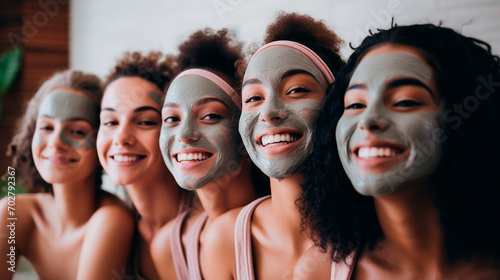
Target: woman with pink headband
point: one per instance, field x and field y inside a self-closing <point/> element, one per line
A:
<point x="283" y="88"/>
<point x="202" y="148"/>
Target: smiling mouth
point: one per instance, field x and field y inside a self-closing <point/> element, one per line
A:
<point x="121" y="158"/>
<point x="377" y="152"/>
<point x="200" y="156"/>
<point x="279" y="139"/>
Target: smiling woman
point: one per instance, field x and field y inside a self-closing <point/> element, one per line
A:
<point x="283" y="86"/>
<point x="128" y="148"/>
<point x="408" y="195"/>
<point x="54" y="151"/>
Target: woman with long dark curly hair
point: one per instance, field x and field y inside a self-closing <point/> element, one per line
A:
<point x="402" y="182"/>
<point x="68" y="219"/>
<point x="283" y="87"/>
<point x="201" y="146"/>
<point x="127" y="145"/>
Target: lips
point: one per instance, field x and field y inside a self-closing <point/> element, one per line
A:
<point x="59" y="159"/>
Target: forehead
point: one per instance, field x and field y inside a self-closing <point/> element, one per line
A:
<point x="189" y="89"/>
<point x="276" y="61"/>
<point x="381" y="67"/>
<point x="65" y="104"/>
<point x="133" y="91"/>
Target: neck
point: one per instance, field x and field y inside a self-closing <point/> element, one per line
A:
<point x="156" y="200"/>
<point x="231" y="191"/>
<point x="75" y="201"/>
<point x="411" y="226"/>
<point x="284" y="194"/>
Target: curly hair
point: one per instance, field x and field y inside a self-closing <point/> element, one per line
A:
<point x="309" y="32"/>
<point x="217" y="51"/>
<point x="20" y="146"/>
<point x="467" y="75"/>
<point x="148" y="67"/>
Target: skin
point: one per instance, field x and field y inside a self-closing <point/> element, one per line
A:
<point x="88" y="230"/>
<point x="130" y="129"/>
<point x="411" y="228"/>
<point x="198" y="116"/>
<point x="282" y="92"/>
<point x="267" y="70"/>
<point x="404" y="128"/>
<point x="193" y="126"/>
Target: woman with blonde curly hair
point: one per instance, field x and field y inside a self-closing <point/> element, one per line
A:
<point x="129" y="151"/>
<point x="70" y="220"/>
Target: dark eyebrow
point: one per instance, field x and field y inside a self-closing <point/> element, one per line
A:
<point x="296" y="72"/>
<point x="208" y="100"/>
<point x="146" y="108"/>
<point x="108" y="109"/>
<point x="409" y="82"/>
<point x="251" y="82"/>
<point x="356" y="86"/>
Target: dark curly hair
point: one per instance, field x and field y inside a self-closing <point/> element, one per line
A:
<point x="148" y="67"/>
<point x="467" y="75"/>
<point x="211" y="50"/>
<point x="20" y="146"/>
<point x="309" y="32"/>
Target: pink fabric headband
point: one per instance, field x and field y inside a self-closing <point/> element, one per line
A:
<point x="307" y="52"/>
<point x="216" y="80"/>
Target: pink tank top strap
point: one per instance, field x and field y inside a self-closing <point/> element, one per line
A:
<point x="243" y="240"/>
<point x="192" y="248"/>
<point x="343" y="270"/>
<point x="181" y="269"/>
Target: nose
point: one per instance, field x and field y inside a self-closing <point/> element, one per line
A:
<point x="187" y="132"/>
<point x="273" y="111"/>
<point x="373" y="121"/>
<point x="124" y="136"/>
<point x="56" y="140"/>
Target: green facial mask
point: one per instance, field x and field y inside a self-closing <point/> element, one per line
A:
<point x="65" y="106"/>
<point x="220" y="138"/>
<point x="412" y="130"/>
<point x="269" y="66"/>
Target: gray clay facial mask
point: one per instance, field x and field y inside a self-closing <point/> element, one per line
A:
<point x="66" y="106"/>
<point x="402" y="141"/>
<point x="189" y="141"/>
<point x="269" y="67"/>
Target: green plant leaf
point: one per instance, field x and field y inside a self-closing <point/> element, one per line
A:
<point x="10" y="64"/>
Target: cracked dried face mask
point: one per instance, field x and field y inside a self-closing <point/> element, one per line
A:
<point x="386" y="135"/>
<point x="282" y="93"/>
<point x="65" y="106"/>
<point x="199" y="138"/>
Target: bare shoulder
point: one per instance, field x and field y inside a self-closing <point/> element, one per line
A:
<point x="219" y="241"/>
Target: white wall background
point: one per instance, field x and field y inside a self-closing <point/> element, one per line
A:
<point x="101" y="30"/>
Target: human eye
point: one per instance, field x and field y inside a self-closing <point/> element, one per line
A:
<point x="211" y="118"/>
<point x="148" y="123"/>
<point x="171" y="120"/>
<point x="46" y="128"/>
<point x="355" y="106"/>
<point x="298" y="89"/>
<point x="253" y="98"/>
<point x="407" y="103"/>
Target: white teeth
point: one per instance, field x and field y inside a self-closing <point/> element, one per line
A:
<point x="192" y="156"/>
<point x="367" y="152"/>
<point x="120" y="158"/>
<point x="276" y="138"/>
